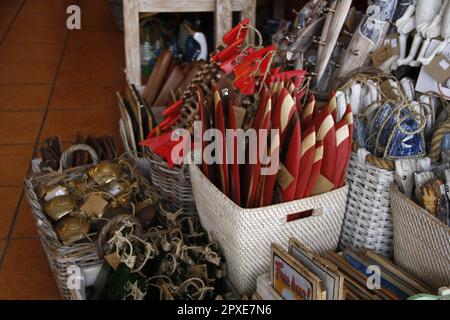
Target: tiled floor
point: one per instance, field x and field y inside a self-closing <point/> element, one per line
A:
<point x="53" y="81"/>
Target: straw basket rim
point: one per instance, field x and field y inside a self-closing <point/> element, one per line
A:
<point x="394" y="188"/>
<point x="194" y="170"/>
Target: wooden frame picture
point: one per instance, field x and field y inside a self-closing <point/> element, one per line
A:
<point x="332" y="280"/>
<point x="390" y="271"/>
<point x="393" y="280"/>
<point x="292" y="280"/>
<point x="359" y="277"/>
<point x="394" y="284"/>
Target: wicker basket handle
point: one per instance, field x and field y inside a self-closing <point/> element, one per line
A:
<point x="66" y="157"/>
<point x="308" y="212"/>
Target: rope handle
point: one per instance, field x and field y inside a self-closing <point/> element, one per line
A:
<point x="256" y="31"/>
<point x="365" y="157"/>
<point x="66" y="157"/>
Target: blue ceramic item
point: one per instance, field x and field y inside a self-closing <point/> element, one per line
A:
<point x="406" y="143"/>
<point x="381" y="116"/>
<point x="388" y="127"/>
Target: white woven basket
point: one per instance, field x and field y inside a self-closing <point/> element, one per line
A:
<point x="368" y="217"/>
<point x="245" y="235"/>
<point x="421" y="242"/>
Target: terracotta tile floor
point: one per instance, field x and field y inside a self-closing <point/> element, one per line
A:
<point x="52" y="82"/>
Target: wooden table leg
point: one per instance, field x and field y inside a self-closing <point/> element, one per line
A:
<point x="132" y="44"/>
<point x="223" y="20"/>
<point x="250" y="12"/>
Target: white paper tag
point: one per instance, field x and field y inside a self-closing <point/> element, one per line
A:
<point x="117" y="189"/>
<point x="443" y="189"/>
<point x="425" y="81"/>
<point x="394" y="43"/>
<point x="56" y="192"/>
<point x="444" y="64"/>
<point x="284" y="177"/>
<point x="94" y="206"/>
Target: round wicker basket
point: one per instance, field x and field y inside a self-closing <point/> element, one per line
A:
<point x="60" y="256"/>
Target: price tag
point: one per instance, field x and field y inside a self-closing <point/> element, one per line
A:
<point x="113" y="260"/>
<point x="439" y="69"/>
<point x="381" y="55"/>
<point x="388" y="50"/>
<point x="94" y="206"/>
<point x="239" y="115"/>
<point x="198" y="271"/>
<point x="284" y="177"/>
<point x="392" y="40"/>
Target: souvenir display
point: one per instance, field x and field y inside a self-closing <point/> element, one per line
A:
<point x="427" y="24"/>
<point x="332" y="279"/>
<point x="368" y="36"/>
<point x="252" y="94"/>
<point x="52" y="150"/>
<point x="349" y="275"/>
<point x="430" y="192"/>
<point x="328" y="136"/>
<point x="77" y="203"/>
<point x="403" y="132"/>
<point x="281" y="186"/>
<point x="393" y="134"/>
<point x="142" y="109"/>
<point x="162" y="254"/>
<point x="317" y="40"/>
<point x="246" y="234"/>
<point x="369" y="276"/>
<point x="253" y="61"/>
<point x="292" y="280"/>
<point x="389" y="120"/>
<point x="331" y="39"/>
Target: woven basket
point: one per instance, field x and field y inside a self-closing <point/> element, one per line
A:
<point x="421" y="241"/>
<point x="368" y="217"/>
<point x="61" y="257"/>
<point x="173" y="184"/>
<point x="245" y="235"/>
